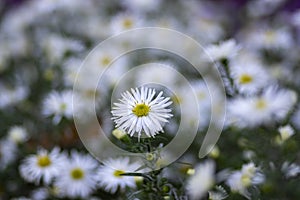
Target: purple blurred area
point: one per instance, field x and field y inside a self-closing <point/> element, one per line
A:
<point x="290" y="5"/>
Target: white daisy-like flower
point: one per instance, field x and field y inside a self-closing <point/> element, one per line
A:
<point x="272" y="105"/>
<point x="124" y="22"/>
<point x="225" y="50"/>
<point x="249" y="78"/>
<point x="286" y="132"/>
<point x="203" y="180"/>
<point x="269" y="38"/>
<point x="8" y="152"/>
<point x="12" y="96"/>
<point x="44" y="165"/>
<point x="242" y="179"/>
<point x="77" y="176"/>
<point x="141" y="112"/>
<point x="58" y="104"/>
<point x="17" y="134"/>
<point x="110" y="175"/>
<point x="219" y="194"/>
<point x="290" y="169"/>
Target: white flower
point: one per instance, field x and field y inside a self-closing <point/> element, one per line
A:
<point x="12" y="96"/>
<point x="290" y="169"/>
<point x="8" y="152"/>
<point x="268" y="38"/>
<point x="77" y="176"/>
<point x="249" y="77"/>
<point x="225" y="50"/>
<point x="59" y="105"/>
<point x="43" y="165"/>
<point x="124" y="22"/>
<point x="219" y="194"/>
<point x="240" y="180"/>
<point x="110" y="175"/>
<point x="271" y="106"/>
<point x="17" y="134"/>
<point x="286" y="132"/>
<point x="141" y="112"/>
<point x="203" y="179"/>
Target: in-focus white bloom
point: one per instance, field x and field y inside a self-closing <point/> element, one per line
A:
<point x="43" y="165"/>
<point x="240" y="180"/>
<point x="59" y="105"/>
<point x="110" y="175"/>
<point x="225" y="50"/>
<point x="8" y="152"/>
<point x="203" y="180"/>
<point x="272" y="105"/>
<point x="77" y="176"/>
<point x="142" y="112"/>
<point x="17" y="134"/>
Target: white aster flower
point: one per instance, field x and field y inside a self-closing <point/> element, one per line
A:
<point x="240" y="180"/>
<point x="271" y="106"/>
<point x="225" y="50"/>
<point x="124" y="22"/>
<point x="43" y="165"/>
<point x="141" y="112"/>
<point x="250" y="77"/>
<point x="110" y="175"/>
<point x="286" y="132"/>
<point x="290" y="169"/>
<point x="203" y="180"/>
<point x="59" y="105"/>
<point x="219" y="194"/>
<point x="17" y="134"/>
<point x="11" y="96"/>
<point x="77" y="176"/>
<point x="269" y="38"/>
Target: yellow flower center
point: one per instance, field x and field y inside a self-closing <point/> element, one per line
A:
<point x="127" y="23"/>
<point x="260" y="104"/>
<point x="77" y="173"/>
<point x="105" y="60"/>
<point x="63" y="107"/>
<point x="245" y="79"/>
<point x="118" y="173"/>
<point x="141" y="110"/>
<point x="43" y="161"/>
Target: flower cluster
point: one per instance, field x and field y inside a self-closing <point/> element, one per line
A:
<point x="49" y="78"/>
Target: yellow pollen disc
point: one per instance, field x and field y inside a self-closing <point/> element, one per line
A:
<point x="127" y="23"/>
<point x="141" y="110"/>
<point x="105" y="61"/>
<point x="63" y="106"/>
<point x="43" y="161"/>
<point x="260" y="104"/>
<point x="245" y="79"/>
<point x="117" y="173"/>
<point x="77" y="173"/>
